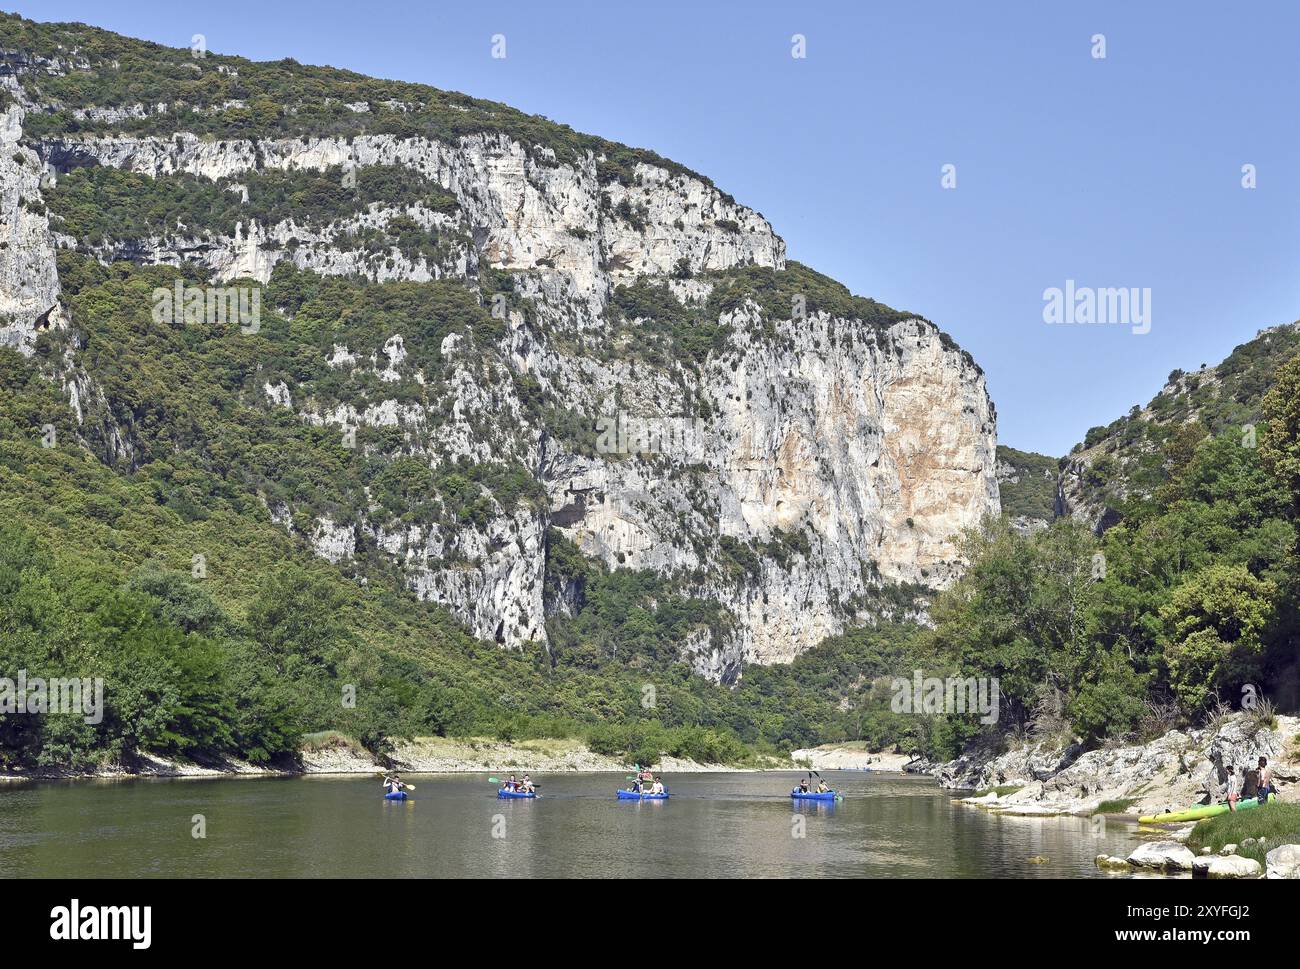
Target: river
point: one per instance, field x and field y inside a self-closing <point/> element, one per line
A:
<point x="715" y="825"/>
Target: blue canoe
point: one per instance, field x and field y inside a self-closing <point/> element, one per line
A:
<point x="519" y="794"/>
<point x="799" y="795"/>
<point x="395" y="796"/>
<point x="633" y="796"/>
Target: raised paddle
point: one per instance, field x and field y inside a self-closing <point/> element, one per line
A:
<point x="409" y="787"/>
<point x="838" y="795"/>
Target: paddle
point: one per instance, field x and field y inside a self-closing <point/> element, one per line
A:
<point x="838" y="796"/>
<point x="497" y="780"/>
<point x="405" y="786"/>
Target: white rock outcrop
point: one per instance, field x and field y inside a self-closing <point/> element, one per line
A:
<point x="527" y="212"/>
<point x="1283" y="862"/>
<point x="1229" y="866"/>
<point x="1168" y="856"/>
<point x="29" y="282"/>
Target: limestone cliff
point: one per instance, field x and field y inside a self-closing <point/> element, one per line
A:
<point x="831" y="444"/>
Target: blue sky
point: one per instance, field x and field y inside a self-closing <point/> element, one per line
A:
<point x="1122" y="172"/>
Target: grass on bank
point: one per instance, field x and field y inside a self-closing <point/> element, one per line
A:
<point x="1117" y="806"/>
<point x="313" y="743"/>
<point x="1276" y="823"/>
<point x="1002" y="791"/>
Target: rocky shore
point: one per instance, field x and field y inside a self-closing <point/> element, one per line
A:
<point x="424" y="755"/>
<point x="1175" y="858"/>
<point x="1169" y="773"/>
<point x="1172" y="772"/>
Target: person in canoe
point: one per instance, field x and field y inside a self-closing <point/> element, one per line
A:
<point x="511" y="784"/>
<point x="393" y="784"/>
<point x="657" y="787"/>
<point x="822" y="786"/>
<point x="526" y="786"/>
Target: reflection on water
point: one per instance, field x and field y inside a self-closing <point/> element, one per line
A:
<point x="715" y="825"/>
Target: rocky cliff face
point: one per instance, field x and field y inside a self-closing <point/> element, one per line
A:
<point x="838" y="443"/>
<point x="527" y="213"/>
<point x="809" y="456"/>
<point x="29" y="282"/>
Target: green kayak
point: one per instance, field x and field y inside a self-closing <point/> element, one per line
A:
<point x="1196" y="813"/>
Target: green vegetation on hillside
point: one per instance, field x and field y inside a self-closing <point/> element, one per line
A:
<point x="100" y="203"/>
<point x="225" y="97"/>
<point x="1142" y="450"/>
<point x="775" y="291"/>
<point x="1034" y="494"/>
<point x="665" y="329"/>
<point x="660" y="328"/>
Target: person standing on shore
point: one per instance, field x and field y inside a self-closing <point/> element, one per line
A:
<point x="1234" y="788"/>
<point x="1264" y="786"/>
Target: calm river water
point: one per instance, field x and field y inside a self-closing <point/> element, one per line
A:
<point x="715" y="825"/>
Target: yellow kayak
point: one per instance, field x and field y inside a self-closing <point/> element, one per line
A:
<point x="1196" y="813"/>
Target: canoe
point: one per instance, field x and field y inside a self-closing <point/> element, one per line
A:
<point x="813" y="795"/>
<point x="633" y="796"/>
<point x="395" y="796"/>
<point x="519" y="794"/>
<point x="1196" y="813"/>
